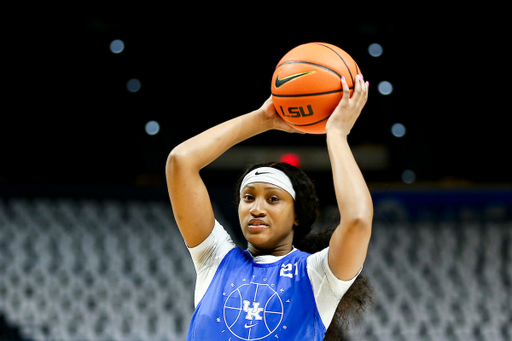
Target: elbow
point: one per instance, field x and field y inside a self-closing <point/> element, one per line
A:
<point x="172" y="159"/>
<point x="175" y="158"/>
<point x="181" y="159"/>
<point x="174" y="155"/>
<point x="354" y="231"/>
<point x="361" y="222"/>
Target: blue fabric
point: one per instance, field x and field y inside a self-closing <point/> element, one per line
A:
<point x="250" y="301"/>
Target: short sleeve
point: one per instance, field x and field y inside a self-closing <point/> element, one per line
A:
<point x="207" y="257"/>
<point x="327" y="288"/>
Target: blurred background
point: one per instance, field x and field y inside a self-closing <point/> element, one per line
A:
<point x="96" y="98"/>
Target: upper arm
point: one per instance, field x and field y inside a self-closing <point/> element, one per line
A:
<point x="190" y="201"/>
<point x="348" y="248"/>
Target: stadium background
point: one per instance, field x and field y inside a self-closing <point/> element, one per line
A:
<point x="73" y="135"/>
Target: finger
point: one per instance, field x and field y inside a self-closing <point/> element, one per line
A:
<point x="346" y="91"/>
<point x="364" y="92"/>
<point x="363" y="87"/>
<point x="358" y="89"/>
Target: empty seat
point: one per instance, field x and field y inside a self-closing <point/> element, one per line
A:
<point x="119" y="270"/>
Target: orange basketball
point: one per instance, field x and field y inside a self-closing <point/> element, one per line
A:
<point x="306" y="85"/>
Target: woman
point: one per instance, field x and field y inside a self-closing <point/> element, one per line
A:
<point x="271" y="290"/>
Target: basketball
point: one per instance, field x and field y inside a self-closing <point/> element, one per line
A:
<point x="306" y="85"/>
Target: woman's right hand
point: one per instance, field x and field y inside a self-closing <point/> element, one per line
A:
<point x="276" y="122"/>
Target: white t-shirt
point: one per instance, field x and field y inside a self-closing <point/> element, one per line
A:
<point x="327" y="288"/>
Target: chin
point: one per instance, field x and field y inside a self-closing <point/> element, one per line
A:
<point x="259" y="241"/>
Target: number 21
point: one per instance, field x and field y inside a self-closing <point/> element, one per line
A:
<point x="286" y="270"/>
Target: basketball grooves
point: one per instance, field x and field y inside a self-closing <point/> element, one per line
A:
<point x="344" y="62"/>
<point x="318" y="65"/>
<point x="310" y="63"/>
<point x="324" y="67"/>
<point x="314" y="94"/>
<point x="309" y="124"/>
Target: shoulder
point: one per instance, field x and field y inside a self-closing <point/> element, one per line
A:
<point x="316" y="260"/>
<point x="213" y="249"/>
<point x="327" y="288"/>
<point x="207" y="257"/>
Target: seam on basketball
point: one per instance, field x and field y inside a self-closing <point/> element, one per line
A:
<point x="344" y="62"/>
<point x="312" y="94"/>
<point x="309" y="63"/>
<point x="308" y="124"/>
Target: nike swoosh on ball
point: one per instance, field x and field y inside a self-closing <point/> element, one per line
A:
<point x="281" y="82"/>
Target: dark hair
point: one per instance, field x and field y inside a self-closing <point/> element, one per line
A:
<point x="306" y="200"/>
<point x="356" y="300"/>
<point x="361" y="293"/>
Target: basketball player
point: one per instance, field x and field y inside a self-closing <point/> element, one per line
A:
<point x="271" y="290"/>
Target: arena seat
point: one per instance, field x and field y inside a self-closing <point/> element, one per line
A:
<point x="440" y="280"/>
<point x="84" y="269"/>
<point x="94" y="270"/>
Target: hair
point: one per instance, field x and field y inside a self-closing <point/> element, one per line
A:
<point x="360" y="295"/>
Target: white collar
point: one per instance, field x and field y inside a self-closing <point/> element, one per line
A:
<point x="267" y="259"/>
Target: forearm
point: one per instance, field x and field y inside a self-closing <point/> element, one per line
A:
<point x="204" y="148"/>
<point x="349" y="242"/>
<point x="352" y="194"/>
<point x="189" y="197"/>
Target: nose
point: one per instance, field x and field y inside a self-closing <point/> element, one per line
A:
<point x="257" y="208"/>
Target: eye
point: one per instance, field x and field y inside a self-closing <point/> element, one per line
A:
<point x="248" y="197"/>
<point x="273" y="199"/>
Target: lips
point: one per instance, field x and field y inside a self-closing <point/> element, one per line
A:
<point x="257" y="224"/>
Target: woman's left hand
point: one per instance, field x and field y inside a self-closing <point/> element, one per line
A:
<point x="349" y="108"/>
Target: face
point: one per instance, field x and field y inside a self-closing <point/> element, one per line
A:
<point x="267" y="216"/>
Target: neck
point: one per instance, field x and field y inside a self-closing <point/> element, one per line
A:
<point x="281" y="250"/>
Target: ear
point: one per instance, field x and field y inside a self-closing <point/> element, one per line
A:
<point x="296" y="221"/>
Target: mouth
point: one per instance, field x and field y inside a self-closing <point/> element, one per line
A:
<point x="257" y="224"/>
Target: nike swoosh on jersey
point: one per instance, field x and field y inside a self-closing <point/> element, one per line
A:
<point x="250" y="326"/>
<point x="280" y="82"/>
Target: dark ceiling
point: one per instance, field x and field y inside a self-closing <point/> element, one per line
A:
<point x="68" y="117"/>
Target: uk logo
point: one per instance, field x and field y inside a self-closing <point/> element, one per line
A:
<point x="253" y="311"/>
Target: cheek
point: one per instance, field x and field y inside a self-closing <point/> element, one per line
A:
<point x="240" y="211"/>
<point x="243" y="211"/>
<point x="286" y="215"/>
